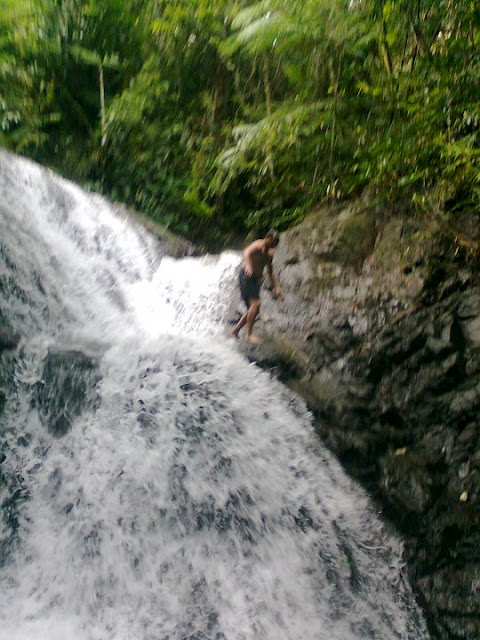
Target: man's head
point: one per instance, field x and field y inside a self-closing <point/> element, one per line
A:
<point x="272" y="239"/>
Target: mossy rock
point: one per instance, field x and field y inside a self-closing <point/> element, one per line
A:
<point x="356" y="240"/>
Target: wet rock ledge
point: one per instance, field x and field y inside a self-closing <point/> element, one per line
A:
<point x="381" y="334"/>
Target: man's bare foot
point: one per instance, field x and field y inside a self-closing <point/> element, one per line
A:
<point x="253" y="339"/>
<point x="234" y="333"/>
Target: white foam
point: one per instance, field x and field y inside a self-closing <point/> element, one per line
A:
<point x="196" y="500"/>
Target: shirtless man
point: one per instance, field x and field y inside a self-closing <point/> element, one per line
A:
<point x="257" y="256"/>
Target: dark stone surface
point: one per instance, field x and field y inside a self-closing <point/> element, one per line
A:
<point x="67" y="388"/>
<point x="384" y="344"/>
<point x="9" y="339"/>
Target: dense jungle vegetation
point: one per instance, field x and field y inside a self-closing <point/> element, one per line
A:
<point x="218" y="117"/>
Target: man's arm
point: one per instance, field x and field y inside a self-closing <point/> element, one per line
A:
<point x="273" y="279"/>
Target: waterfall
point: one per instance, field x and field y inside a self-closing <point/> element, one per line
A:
<point x="156" y="485"/>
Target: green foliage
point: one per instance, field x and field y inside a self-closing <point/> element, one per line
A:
<point x="220" y="117"/>
<point x="52" y="98"/>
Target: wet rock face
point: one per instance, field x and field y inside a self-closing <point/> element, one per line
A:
<point x="387" y="353"/>
<point x="9" y="339"/>
<point x="68" y="387"/>
<point x="431" y="484"/>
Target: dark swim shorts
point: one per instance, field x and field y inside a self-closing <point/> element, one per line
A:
<point x="249" y="287"/>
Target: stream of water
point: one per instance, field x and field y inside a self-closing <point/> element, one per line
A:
<point x="189" y="498"/>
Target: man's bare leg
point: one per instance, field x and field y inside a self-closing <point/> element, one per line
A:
<point x="240" y="324"/>
<point x="252" y="313"/>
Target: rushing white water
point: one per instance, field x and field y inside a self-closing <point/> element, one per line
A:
<point x="192" y="499"/>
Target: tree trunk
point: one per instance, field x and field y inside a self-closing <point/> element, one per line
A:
<point x="103" y="120"/>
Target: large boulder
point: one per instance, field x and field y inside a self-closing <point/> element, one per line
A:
<point x="381" y="335"/>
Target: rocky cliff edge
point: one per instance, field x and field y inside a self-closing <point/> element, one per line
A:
<point x="380" y="332"/>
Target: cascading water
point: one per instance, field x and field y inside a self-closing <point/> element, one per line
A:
<point x="155" y="485"/>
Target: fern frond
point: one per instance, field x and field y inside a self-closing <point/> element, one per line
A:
<point x="259" y="28"/>
<point x="254" y="143"/>
<point x="251" y="14"/>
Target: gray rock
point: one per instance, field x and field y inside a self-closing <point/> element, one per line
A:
<point x="471" y="329"/>
<point x="384" y="344"/>
<point x="67" y="388"/>
<point x="9" y="339"/>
